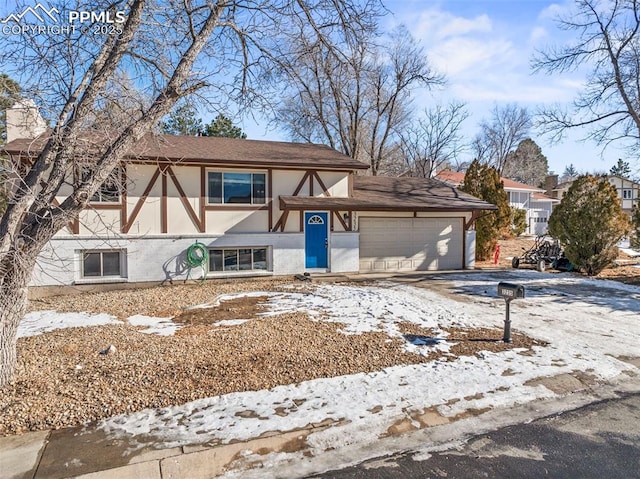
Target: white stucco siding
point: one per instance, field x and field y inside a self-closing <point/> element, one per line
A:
<point x="99" y="222"/>
<point x="221" y="221"/>
<point x="147" y="220"/>
<point x="178" y="219"/>
<point x="345" y="256"/>
<point x="337" y="184"/>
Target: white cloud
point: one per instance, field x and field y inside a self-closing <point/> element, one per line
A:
<point x="538" y="34"/>
<point x="465" y="57"/>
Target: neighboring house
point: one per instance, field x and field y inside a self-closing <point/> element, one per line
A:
<point x="259" y="208"/>
<point x="537" y="205"/>
<point x="628" y="191"/>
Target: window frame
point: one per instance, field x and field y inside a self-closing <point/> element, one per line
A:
<point x="121" y="264"/>
<point x="225" y="252"/>
<point x="627" y="193"/>
<point x="103" y="195"/>
<point x="261" y="200"/>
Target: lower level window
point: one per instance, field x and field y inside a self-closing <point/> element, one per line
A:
<point x="102" y="263"/>
<point x="240" y="259"/>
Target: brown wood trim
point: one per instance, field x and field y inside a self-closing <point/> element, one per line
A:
<point x="350" y="221"/>
<point x="350" y="183"/>
<point x="164" y="210"/>
<point x="203" y="199"/>
<point x="232" y="207"/>
<point x="325" y="190"/>
<point x="311" y="175"/>
<point x="270" y="197"/>
<point x="183" y="199"/>
<point x="75" y="225"/>
<point x="278" y="223"/>
<point x="474" y="216"/>
<point x="342" y="221"/>
<point x="244" y="164"/>
<point x="415" y="214"/>
<point x="331" y="215"/>
<point x="301" y="218"/>
<point x="105" y="206"/>
<point x="141" y="200"/>
<point x="284" y="218"/>
<point x="123" y="194"/>
<point x="301" y="184"/>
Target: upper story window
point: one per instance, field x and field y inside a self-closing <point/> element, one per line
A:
<point x="236" y="188"/>
<point x="627" y="194"/>
<point x="109" y="191"/>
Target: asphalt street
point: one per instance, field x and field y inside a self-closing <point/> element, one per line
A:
<point x="598" y="441"/>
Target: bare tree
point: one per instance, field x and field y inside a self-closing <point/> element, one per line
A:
<point x="171" y="49"/>
<point x="355" y="99"/>
<point x="606" y="42"/>
<point x="527" y="164"/>
<point x="509" y="125"/>
<point x="434" y="140"/>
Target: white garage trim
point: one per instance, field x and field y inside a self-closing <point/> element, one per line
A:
<point x="410" y="244"/>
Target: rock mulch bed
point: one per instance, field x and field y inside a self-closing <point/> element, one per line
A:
<point x="63" y="380"/>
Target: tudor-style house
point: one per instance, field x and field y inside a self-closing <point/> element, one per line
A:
<point x="259" y="208"/>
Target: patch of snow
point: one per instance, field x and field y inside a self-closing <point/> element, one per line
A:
<point x="159" y="326"/>
<point x="38" y="322"/>
<point x="230" y="322"/>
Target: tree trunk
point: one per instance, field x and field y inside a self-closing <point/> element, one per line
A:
<point x="13" y="306"/>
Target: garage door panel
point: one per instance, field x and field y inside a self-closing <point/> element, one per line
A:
<point x="410" y="244"/>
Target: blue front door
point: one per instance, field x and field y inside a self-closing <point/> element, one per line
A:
<point x="316" y="240"/>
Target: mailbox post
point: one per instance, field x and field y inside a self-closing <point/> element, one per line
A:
<point x="509" y="292"/>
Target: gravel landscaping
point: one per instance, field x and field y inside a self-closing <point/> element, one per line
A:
<point x="63" y="379"/>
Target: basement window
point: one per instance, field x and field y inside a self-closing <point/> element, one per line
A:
<point x="237" y="259"/>
<point x="103" y="264"/>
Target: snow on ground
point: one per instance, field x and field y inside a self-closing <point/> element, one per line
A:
<point x="159" y="326"/>
<point x="38" y="322"/>
<point x="588" y="323"/>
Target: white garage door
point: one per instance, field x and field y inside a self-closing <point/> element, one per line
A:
<point x="410" y="244"/>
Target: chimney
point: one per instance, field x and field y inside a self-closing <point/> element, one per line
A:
<point x="24" y="121"/>
<point x="550" y="182"/>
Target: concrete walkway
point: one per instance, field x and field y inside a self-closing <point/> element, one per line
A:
<point x="87" y="453"/>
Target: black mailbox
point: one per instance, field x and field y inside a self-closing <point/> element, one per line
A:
<point x="510" y="290"/>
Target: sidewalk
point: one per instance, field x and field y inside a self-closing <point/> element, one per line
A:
<point x="88" y="453"/>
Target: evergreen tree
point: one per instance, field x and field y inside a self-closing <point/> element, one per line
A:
<point x="222" y="126"/>
<point x="570" y="173"/>
<point x="483" y="181"/>
<point x="588" y="222"/>
<point x="9" y="94"/>
<point x="635" y="227"/>
<point x="182" y="121"/>
<point x="621" y="169"/>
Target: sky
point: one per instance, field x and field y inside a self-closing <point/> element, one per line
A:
<point x="484" y="47"/>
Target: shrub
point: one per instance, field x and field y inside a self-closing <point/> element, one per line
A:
<point x="518" y="221"/>
<point x="483" y="181"/>
<point x="635" y="227"/>
<point x="588" y="222"/>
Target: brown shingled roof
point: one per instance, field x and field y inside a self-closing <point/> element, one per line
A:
<point x="384" y="193"/>
<point x="218" y="151"/>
